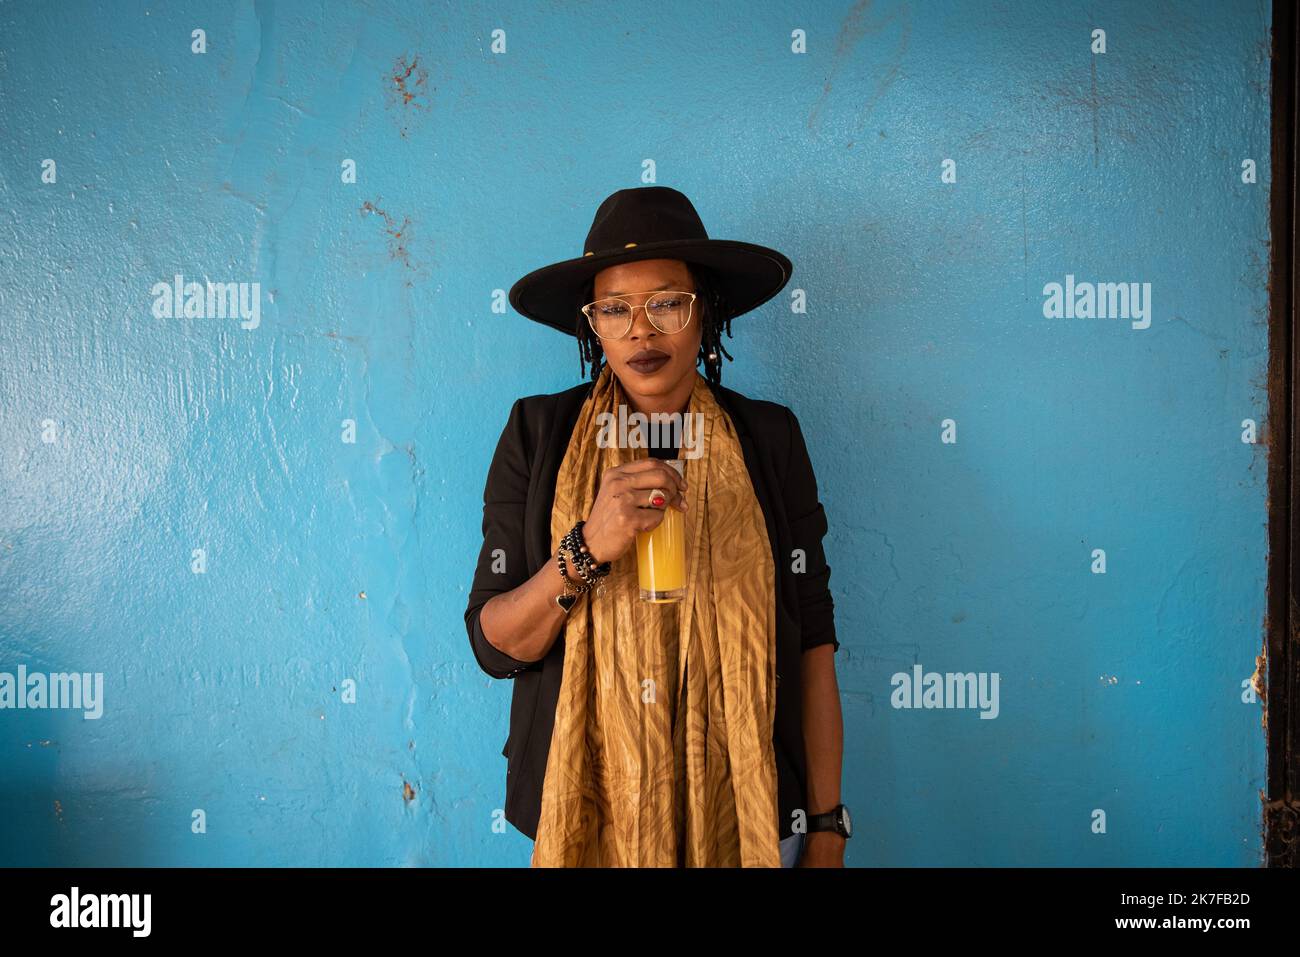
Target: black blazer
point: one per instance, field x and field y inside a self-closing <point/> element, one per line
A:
<point x="517" y="502"/>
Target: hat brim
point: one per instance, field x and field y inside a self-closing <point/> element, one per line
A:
<point x="748" y="274"/>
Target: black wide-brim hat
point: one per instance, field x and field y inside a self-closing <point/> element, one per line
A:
<point x="650" y="222"/>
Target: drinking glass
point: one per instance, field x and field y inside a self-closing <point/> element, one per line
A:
<point x="661" y="553"/>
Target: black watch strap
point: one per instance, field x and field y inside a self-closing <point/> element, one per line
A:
<point x="832" y="820"/>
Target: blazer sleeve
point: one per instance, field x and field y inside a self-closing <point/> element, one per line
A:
<point x="808" y="526"/>
<point x="501" y="562"/>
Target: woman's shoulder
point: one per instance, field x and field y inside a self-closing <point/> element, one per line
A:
<point x="533" y="417"/>
<point x="760" y="416"/>
<point x="549" y="403"/>
<point x="774" y="429"/>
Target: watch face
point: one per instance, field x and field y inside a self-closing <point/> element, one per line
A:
<point x="848" y="824"/>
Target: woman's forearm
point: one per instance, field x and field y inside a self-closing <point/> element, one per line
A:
<point x="525" y="621"/>
<point x="823" y="729"/>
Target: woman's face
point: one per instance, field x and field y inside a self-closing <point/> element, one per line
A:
<point x="667" y="380"/>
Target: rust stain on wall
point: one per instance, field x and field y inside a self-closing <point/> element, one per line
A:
<point x="409" y="80"/>
<point x="407" y="85"/>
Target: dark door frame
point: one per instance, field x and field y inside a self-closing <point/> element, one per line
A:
<point x="1282" y="626"/>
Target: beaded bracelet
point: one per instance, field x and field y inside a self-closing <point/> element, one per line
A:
<point x="577" y="588"/>
<point x="569" y="597"/>
<point x="591" y="573"/>
<point x="587" y="566"/>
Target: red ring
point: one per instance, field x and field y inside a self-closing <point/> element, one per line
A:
<point x="657" y="500"/>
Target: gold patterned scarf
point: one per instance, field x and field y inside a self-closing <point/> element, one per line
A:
<point x="662" y="752"/>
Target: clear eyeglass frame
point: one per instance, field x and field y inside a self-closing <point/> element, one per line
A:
<point x="631" y="312"/>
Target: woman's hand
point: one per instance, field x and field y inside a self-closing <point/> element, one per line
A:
<point x="623" y="507"/>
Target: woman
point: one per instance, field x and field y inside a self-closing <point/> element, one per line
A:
<point x="705" y="732"/>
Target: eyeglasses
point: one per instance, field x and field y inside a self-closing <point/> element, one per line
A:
<point x="669" y="312"/>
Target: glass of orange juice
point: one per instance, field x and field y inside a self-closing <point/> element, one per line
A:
<point x="661" y="553"/>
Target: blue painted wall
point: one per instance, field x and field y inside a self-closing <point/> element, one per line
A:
<point x="130" y="441"/>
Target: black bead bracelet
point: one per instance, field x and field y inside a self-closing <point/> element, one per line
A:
<point x="583" y="563"/>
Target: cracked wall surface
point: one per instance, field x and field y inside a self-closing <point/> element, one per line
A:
<point x="311" y="691"/>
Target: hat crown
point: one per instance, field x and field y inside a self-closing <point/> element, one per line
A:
<point x="642" y="215"/>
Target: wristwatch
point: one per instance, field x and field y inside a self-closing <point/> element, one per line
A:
<point x="836" y="819"/>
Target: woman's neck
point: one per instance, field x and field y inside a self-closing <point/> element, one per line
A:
<point x="678" y="400"/>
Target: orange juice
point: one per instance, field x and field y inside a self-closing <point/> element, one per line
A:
<point x="661" y="555"/>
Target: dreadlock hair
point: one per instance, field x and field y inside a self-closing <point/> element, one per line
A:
<point x="713" y="313"/>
